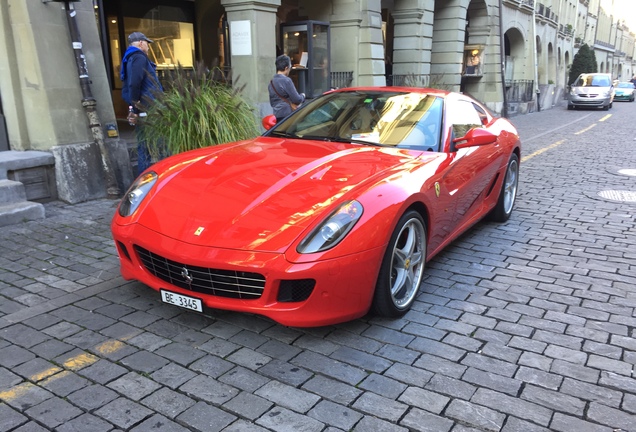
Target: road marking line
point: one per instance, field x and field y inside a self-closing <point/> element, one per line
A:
<point x="45" y="374"/>
<point x="55" y="377"/>
<point x="606" y="117"/>
<point x="16" y="392"/>
<point x="585" y="130"/>
<point x="80" y="361"/>
<point x="109" y="347"/>
<point x="544" y="149"/>
<point x="551" y="131"/>
<point x="54" y="373"/>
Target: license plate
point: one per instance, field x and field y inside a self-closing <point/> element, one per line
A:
<point x="182" y="301"/>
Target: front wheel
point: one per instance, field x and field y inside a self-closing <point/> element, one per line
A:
<point x="508" y="194"/>
<point x="402" y="267"/>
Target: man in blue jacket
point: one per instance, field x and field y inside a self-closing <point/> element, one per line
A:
<point x="141" y="85"/>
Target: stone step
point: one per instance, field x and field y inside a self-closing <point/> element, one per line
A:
<point x="11" y="192"/>
<point x="20" y="212"/>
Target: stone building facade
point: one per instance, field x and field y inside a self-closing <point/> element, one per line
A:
<point x="513" y="55"/>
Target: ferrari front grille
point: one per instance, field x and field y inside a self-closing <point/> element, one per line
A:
<point x="222" y="283"/>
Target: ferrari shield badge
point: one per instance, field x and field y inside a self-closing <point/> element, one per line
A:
<point x="199" y="231"/>
<point x="437" y="188"/>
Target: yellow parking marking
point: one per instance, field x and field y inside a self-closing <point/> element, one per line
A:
<point x="544" y="149"/>
<point x="109" y="347"/>
<point x="44" y="374"/>
<point x="606" y="117"/>
<point x="55" y="377"/>
<point x="53" y="373"/>
<point x="16" y="392"/>
<point x="585" y="130"/>
<point x="80" y="361"/>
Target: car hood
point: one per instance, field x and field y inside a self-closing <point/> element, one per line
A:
<point x="260" y="194"/>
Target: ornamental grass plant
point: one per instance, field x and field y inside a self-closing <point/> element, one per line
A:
<point x="197" y="109"/>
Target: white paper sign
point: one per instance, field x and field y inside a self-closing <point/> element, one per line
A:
<point x="241" y="38"/>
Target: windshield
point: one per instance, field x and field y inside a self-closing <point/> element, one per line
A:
<point x="592" y="80"/>
<point x="626" y="85"/>
<point x="397" y="119"/>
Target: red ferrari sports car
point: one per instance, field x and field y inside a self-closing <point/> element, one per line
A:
<point x="331" y="213"/>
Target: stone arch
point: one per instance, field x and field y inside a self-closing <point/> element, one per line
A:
<point x="541" y="62"/>
<point x="551" y="72"/>
<point x="516" y="60"/>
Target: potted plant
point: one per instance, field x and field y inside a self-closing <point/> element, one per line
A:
<point x="197" y="110"/>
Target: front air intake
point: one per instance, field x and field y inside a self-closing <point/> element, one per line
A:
<point x="295" y="290"/>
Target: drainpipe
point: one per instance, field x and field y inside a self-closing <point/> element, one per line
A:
<point x="536" y="58"/>
<point x="502" y="54"/>
<point x="88" y="101"/>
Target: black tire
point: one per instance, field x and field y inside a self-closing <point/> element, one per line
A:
<point x="570" y="107"/>
<point x="508" y="193"/>
<point x="402" y="267"/>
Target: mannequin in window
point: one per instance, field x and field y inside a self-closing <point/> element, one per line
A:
<point x="472" y="63"/>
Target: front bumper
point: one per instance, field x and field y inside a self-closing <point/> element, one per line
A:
<point x="588" y="101"/>
<point x="343" y="287"/>
<point x="626" y="97"/>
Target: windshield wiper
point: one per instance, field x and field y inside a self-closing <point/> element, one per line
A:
<point x="283" y="134"/>
<point x="354" y="141"/>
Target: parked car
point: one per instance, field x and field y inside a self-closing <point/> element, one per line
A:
<point x="591" y="90"/>
<point x="331" y="213"/>
<point x="624" y="91"/>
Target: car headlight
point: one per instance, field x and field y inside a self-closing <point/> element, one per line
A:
<point x="137" y="193"/>
<point x="333" y="229"/>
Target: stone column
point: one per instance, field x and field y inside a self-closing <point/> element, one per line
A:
<point x="359" y="23"/>
<point x="413" y="38"/>
<point x="252" y="72"/>
<point x="448" y="42"/>
<point x="485" y="30"/>
<point x="10" y="89"/>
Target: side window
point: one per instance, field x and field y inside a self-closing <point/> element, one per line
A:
<point x="462" y="117"/>
<point x="482" y="114"/>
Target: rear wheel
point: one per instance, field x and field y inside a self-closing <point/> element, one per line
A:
<point x="508" y="194"/>
<point x="402" y="267"/>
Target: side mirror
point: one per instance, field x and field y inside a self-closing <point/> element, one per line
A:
<point x="269" y="121"/>
<point x="475" y="137"/>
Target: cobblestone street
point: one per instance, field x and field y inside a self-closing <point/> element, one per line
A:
<point x="524" y="326"/>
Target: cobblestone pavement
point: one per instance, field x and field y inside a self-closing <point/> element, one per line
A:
<point x="524" y="326"/>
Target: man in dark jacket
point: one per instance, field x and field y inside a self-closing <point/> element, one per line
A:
<point x="282" y="92"/>
<point x="141" y="84"/>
